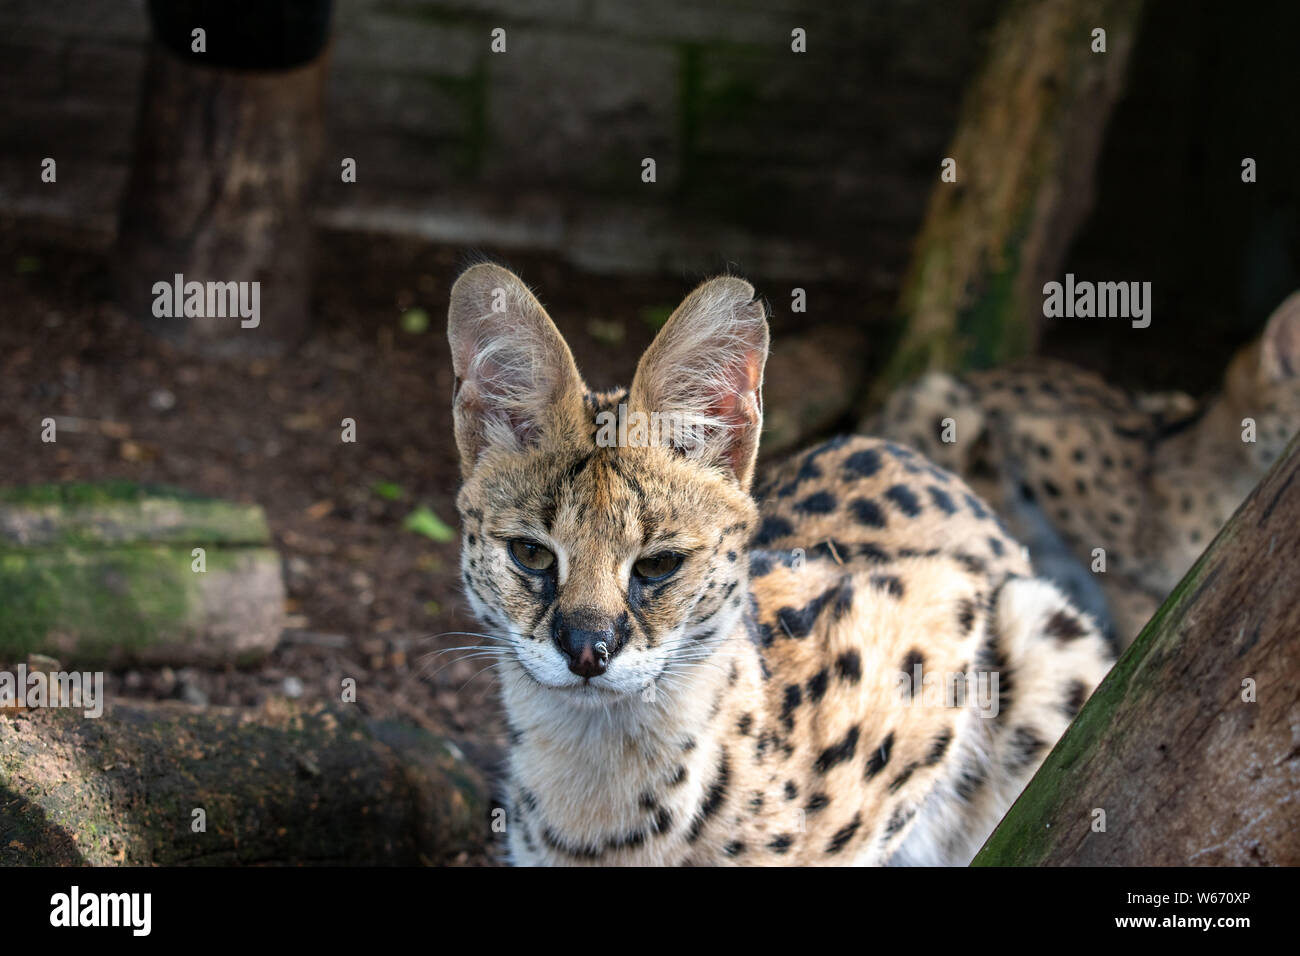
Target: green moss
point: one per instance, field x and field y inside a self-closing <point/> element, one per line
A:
<point x="996" y="328"/>
<point x="114" y="600"/>
<point x="85" y="493"/>
<point x="92" y="515"/>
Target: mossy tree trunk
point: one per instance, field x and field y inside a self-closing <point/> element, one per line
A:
<point x="1026" y="145"/>
<point x="286" y="785"/>
<point x="1189" y="751"/>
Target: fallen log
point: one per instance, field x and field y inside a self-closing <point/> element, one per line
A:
<point x="285" y="785"/>
<point x="1189" y="751"/>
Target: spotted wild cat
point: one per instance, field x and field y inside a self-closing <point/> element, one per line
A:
<point x="693" y="677"/>
<point x="1075" y="464"/>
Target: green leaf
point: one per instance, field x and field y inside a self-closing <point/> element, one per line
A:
<point x="388" y="490"/>
<point x="609" y="332"/>
<point x="423" y="521"/>
<point x="415" y="321"/>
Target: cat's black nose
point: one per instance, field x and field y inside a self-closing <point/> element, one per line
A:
<point x="588" y="652"/>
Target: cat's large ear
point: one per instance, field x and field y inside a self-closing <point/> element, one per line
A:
<point x="1280" y="346"/>
<point x="515" y="376"/>
<point x="705" y="371"/>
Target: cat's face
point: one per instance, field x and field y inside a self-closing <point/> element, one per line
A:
<point x="605" y="560"/>
<point x="1263" y="383"/>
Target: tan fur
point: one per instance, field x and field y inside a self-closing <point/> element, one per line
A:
<point x="755" y="711"/>
<point x="1148" y="478"/>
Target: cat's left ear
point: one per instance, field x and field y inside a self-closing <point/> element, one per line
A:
<point x="705" y="371"/>
<point x="1279" y="352"/>
<point x="515" y="377"/>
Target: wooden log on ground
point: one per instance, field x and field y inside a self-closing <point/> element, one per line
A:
<point x="282" y="786"/>
<point x="1191" y="746"/>
<point x="1026" y="146"/>
<point x="107" y="573"/>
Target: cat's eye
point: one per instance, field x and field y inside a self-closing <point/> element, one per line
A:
<point x="531" y="556"/>
<point x="656" y="567"/>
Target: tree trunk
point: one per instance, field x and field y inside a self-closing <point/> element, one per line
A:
<point x="1191" y="746"/>
<point x="219" y="192"/>
<point x="1025" y="148"/>
<point x="286" y="786"/>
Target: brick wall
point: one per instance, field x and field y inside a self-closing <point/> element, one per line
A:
<point x="786" y="163"/>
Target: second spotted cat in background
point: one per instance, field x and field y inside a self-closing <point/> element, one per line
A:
<point x="1075" y="464"/>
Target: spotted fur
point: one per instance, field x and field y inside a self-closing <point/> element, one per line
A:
<point x="1075" y="464"/>
<point x="768" y="702"/>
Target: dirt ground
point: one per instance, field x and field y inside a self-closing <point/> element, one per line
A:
<point x="368" y="599"/>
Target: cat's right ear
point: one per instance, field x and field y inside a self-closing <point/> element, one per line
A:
<point x="515" y="376"/>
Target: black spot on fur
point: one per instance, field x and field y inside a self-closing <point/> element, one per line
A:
<point x="1026" y="746"/>
<point x="818" y="503"/>
<point x="872" y="553"/>
<point x="1076" y="692"/>
<point x="791" y="790"/>
<point x="713" y="799"/>
<point x="734" y="848"/>
<point x="898" y="819"/>
<point x="888" y="582"/>
<point x="911" y="662"/>
<point x="907" y="502"/>
<point x="781" y="843"/>
<point x="797" y="623"/>
<point x="942" y="500"/>
<point x="844" y="834"/>
<point x="773" y="527"/>
<point x="867" y="512"/>
<point x="793" y="698"/>
<point x="897" y="783"/>
<point x="880" y="756"/>
<point x="968" y="781"/>
<point x="817" y="685"/>
<point x="1064" y="627"/>
<point x="965" y="615"/>
<point x="838" y="753"/>
<point x="938" y="748"/>
<point x="818" y="801"/>
<point x="745" y="724"/>
<point x="863" y="464"/>
<point x="849" y="666"/>
<point x="843" y="597"/>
